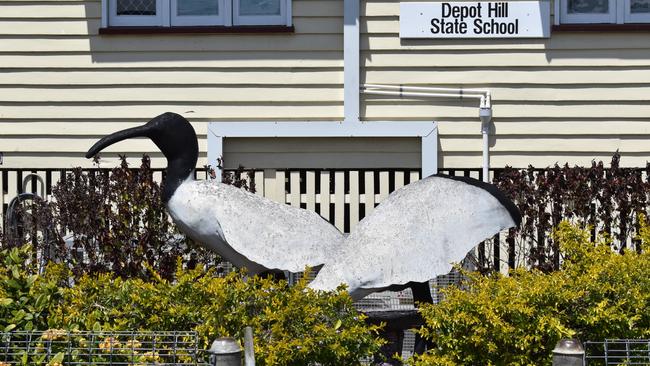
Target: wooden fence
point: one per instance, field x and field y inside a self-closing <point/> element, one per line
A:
<point x="343" y="197"/>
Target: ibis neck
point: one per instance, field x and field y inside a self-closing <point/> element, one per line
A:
<point x="178" y="171"/>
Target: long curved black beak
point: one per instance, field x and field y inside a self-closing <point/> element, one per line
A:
<point x="140" y="131"/>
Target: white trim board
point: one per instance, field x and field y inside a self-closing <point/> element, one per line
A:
<point x="427" y="131"/>
<point x="351" y="61"/>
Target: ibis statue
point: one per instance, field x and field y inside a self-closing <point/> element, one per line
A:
<point x="414" y="235"/>
<point x="247" y="230"/>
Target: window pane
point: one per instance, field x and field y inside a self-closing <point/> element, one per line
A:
<point x="259" y="7"/>
<point x="588" y="6"/>
<point x="136" y="7"/>
<point x="640" y="6"/>
<point x="197" y="7"/>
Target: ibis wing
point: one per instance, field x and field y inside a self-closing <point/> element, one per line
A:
<point x="253" y="231"/>
<point x="418" y="232"/>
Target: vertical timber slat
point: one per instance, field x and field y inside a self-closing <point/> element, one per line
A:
<point x="55" y="179"/>
<point x="369" y="196"/>
<point x="157" y="176"/>
<point x="269" y="183"/>
<point x="280" y="193"/>
<point x="310" y="176"/>
<point x="259" y="182"/>
<point x="12" y="185"/>
<point x="294" y="186"/>
<point x="339" y="200"/>
<point x="415" y="176"/>
<point x="399" y="180"/>
<point x="383" y="186"/>
<point x="354" y="199"/>
<point x="325" y="195"/>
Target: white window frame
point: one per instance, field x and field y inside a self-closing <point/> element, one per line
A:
<point x="582" y="18"/>
<point x="635" y="18"/>
<point x="191" y="20"/>
<point x="259" y="19"/>
<point x="166" y="16"/>
<point x="619" y="13"/>
<point x="136" y="20"/>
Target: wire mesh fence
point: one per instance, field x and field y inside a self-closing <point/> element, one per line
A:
<point x="617" y="352"/>
<point x="59" y="347"/>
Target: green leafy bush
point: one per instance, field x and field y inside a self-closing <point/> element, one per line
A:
<point x="25" y="296"/>
<point x="517" y="320"/>
<point x="293" y="325"/>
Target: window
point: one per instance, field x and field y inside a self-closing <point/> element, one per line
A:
<point x="605" y="11"/>
<point x="172" y="13"/>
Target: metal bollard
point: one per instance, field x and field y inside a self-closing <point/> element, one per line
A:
<point x="225" y="352"/>
<point x="568" y="352"/>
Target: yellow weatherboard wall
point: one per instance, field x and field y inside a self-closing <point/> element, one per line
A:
<point x="573" y="97"/>
<point x="63" y="85"/>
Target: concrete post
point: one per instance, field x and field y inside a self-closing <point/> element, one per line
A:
<point x="568" y="352"/>
<point x="249" y="350"/>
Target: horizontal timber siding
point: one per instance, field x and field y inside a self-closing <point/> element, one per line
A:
<point x="323" y="153"/>
<point x="571" y="98"/>
<point x="63" y="85"/>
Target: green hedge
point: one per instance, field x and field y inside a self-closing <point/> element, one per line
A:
<point x="517" y="320"/>
<point x="293" y="325"/>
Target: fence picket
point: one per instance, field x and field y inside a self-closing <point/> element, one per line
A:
<point x="12" y="183"/>
<point x="42" y="188"/>
<point x="399" y="180"/>
<point x="415" y="176"/>
<point x="325" y="195"/>
<point x="310" y="196"/>
<point x="354" y="199"/>
<point x="339" y="200"/>
<point x="157" y="176"/>
<point x="269" y="183"/>
<point x="280" y="193"/>
<point x="259" y="182"/>
<point x="294" y="188"/>
<point x="55" y="178"/>
<point x="383" y="186"/>
<point x="369" y="195"/>
<point x="12" y="190"/>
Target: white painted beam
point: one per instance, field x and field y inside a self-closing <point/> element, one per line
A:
<point x="215" y="151"/>
<point x="427" y="131"/>
<point x="322" y="129"/>
<point x="351" y="55"/>
<point x="429" y="153"/>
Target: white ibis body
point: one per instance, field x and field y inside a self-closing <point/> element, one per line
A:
<point x="247" y="230"/>
<point x="417" y="233"/>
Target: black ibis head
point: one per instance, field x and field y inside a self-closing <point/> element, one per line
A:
<point x="176" y="139"/>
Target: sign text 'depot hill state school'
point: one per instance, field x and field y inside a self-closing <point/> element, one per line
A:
<point x="520" y="19"/>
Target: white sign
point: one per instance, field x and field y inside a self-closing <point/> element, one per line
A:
<point x="499" y="19"/>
